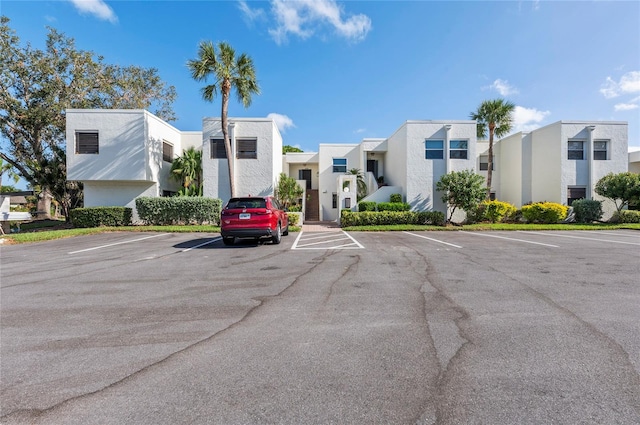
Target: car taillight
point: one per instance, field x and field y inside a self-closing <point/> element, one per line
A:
<point x="227" y="213"/>
<point x="267" y="211"/>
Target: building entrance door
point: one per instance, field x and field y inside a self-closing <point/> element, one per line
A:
<point x="305" y="175"/>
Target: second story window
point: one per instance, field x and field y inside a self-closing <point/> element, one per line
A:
<point x="484" y="163"/>
<point x="339" y="165"/>
<point x="575" y="149"/>
<point x="87" y="142"/>
<point x="600" y="150"/>
<point x="217" y="149"/>
<point x="247" y="148"/>
<point x="458" y="149"/>
<point x="434" y="149"/>
<point x="167" y="151"/>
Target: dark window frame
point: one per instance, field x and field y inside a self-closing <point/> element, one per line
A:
<point x="338" y="168"/>
<point x="484" y="166"/>
<point x="575" y="154"/>
<point x="216" y="147"/>
<point x="601" y="154"/>
<point x="458" y="153"/>
<point x="247" y="148"/>
<point x="167" y="151"/>
<point x="87" y="146"/>
<point x="434" y="152"/>
<point x="334" y="200"/>
<point x="574" y="193"/>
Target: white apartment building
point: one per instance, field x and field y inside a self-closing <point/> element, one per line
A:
<point x="120" y="155"/>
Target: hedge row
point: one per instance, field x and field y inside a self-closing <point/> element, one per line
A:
<point x="101" y="216"/>
<point x="587" y="210"/>
<point x="544" y="212"/>
<point x="626" y="216"/>
<point x="383" y="206"/>
<point x="178" y="210"/>
<point x="373" y="218"/>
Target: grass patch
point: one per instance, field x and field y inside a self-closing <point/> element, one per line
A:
<point x="41" y="236"/>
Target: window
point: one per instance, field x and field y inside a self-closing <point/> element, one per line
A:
<point x="334" y="200"/>
<point x="167" y="151"/>
<point x="434" y="149"/>
<point x="575" y="193"/>
<point x="339" y="165"/>
<point x="600" y="150"/>
<point x="484" y="163"/>
<point x="87" y="142"/>
<point x="247" y="148"/>
<point x="168" y="193"/>
<point x="575" y="149"/>
<point x="458" y="149"/>
<point x="217" y="149"/>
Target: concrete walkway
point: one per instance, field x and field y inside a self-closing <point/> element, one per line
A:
<point x="320" y="226"/>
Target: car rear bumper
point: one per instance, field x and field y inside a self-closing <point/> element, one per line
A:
<point x="246" y="232"/>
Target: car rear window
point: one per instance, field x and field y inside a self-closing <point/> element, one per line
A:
<point x="246" y="203"/>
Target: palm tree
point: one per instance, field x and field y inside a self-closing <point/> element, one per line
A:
<point x="228" y="72"/>
<point x="187" y="169"/>
<point x="496" y="116"/>
<point x="361" y="184"/>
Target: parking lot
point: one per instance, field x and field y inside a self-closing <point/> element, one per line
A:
<point x="327" y="327"/>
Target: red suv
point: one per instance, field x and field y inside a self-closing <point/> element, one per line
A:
<point x="253" y="217"/>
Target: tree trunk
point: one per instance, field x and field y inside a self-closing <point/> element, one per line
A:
<point x="226" y="90"/>
<point x="44" y="205"/>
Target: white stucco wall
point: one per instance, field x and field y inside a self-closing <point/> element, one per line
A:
<point x="118" y="194"/>
<point x="328" y="180"/>
<point x="546" y="151"/>
<point x="121" y="140"/>
<point x="508" y="169"/>
<point x="256" y="177"/>
<point x="634" y="161"/>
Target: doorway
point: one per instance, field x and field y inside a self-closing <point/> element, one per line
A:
<point x="305" y="175"/>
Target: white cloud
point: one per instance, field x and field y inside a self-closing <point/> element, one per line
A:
<point x="527" y="119"/>
<point x="629" y="83"/>
<point x="282" y="121"/>
<point x="503" y="87"/>
<point x="360" y="130"/>
<point x="98" y="8"/>
<point x="249" y="13"/>
<point x="625" y="106"/>
<point x="304" y="18"/>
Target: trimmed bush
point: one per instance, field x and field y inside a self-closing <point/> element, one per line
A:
<point x="395" y="198"/>
<point x="495" y="211"/>
<point x="626" y="216"/>
<point x="376" y="218"/>
<point x="393" y="206"/>
<point x="101" y="216"/>
<point x="178" y="210"/>
<point x="544" y="212"/>
<point x="587" y="210"/>
<point x="366" y="206"/>
<point x="294" y="218"/>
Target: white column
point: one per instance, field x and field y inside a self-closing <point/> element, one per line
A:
<point x="447" y="128"/>
<point x="589" y="153"/>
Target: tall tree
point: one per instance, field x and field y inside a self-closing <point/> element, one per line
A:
<point x="228" y="72"/>
<point x="496" y="117"/>
<point x="37" y="86"/>
<point x="187" y="169"/>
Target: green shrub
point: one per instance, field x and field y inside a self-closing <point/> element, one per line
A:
<point x="295" y="208"/>
<point x="100" y="216"/>
<point x="587" y="210"/>
<point x="393" y="206"/>
<point x="377" y="218"/>
<point x="366" y="206"/>
<point x="294" y="218"/>
<point x="495" y="211"/>
<point x="395" y="198"/>
<point x="626" y="216"/>
<point x="178" y="210"/>
<point x="544" y="212"/>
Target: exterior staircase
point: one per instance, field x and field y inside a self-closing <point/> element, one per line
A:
<point x="312" y="207"/>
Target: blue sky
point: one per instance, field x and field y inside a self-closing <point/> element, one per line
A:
<point x="339" y="71"/>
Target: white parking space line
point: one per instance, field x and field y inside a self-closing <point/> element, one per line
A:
<point x="202" y="244"/>
<point x="117" y="243"/>
<point x="321" y="241"/>
<point x="600" y="232"/>
<point x="434" y="240"/>
<point x="509" y="239"/>
<point x="578" y="237"/>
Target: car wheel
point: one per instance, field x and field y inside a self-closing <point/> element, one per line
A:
<point x="277" y="237"/>
<point x="228" y="240"/>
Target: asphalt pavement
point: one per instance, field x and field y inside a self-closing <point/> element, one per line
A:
<point x="333" y="327"/>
